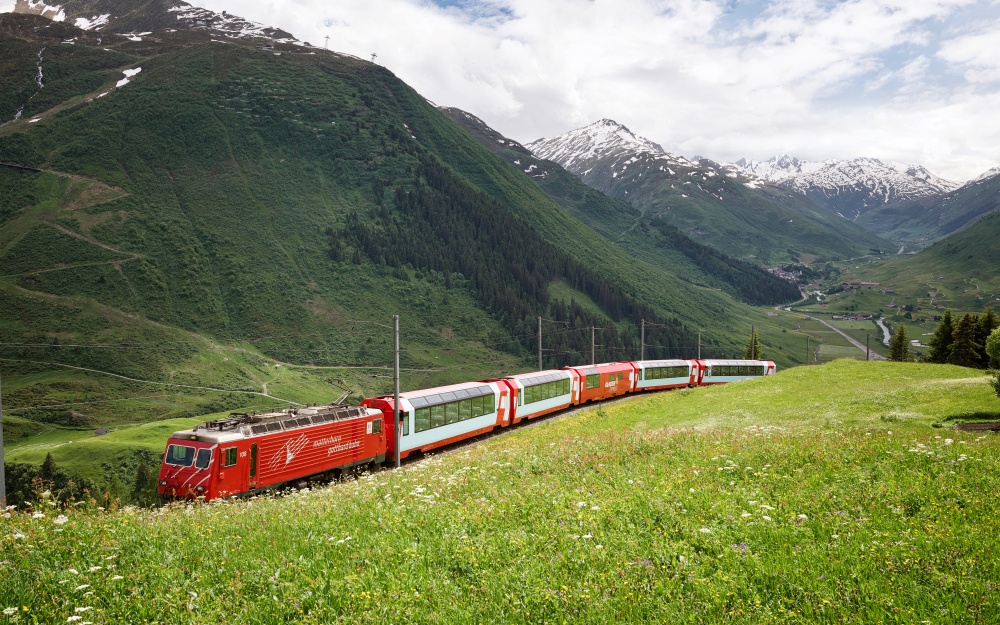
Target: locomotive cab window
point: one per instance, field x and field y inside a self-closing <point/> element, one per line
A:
<point x="204" y="459"/>
<point x="228" y="457"/>
<point x="377" y="426"/>
<point x="179" y="455"/>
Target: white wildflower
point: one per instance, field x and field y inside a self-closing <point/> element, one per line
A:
<point x="595" y="507"/>
<point x="73" y="619"/>
<point x="803" y="517"/>
<point x="38" y="515"/>
<point x="705" y="530"/>
<point x="84" y="609"/>
<point x="59" y="520"/>
<point x="9" y="611"/>
<point x="95" y="568"/>
<point x="73" y="571"/>
<point x="116" y="578"/>
<point x="83" y="586"/>
<point x="767" y="518"/>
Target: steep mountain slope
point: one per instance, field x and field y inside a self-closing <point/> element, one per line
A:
<point x="264" y="199"/>
<point x="712" y="204"/>
<point x="646" y="237"/>
<point x="932" y="218"/>
<point x="850" y="188"/>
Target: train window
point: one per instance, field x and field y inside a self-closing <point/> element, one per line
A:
<point x="422" y="422"/>
<point x="253" y="461"/>
<point x="593" y="381"/>
<point x="228" y="457"/>
<point x="465" y="409"/>
<point x="451" y="412"/>
<point x="204" y="459"/>
<point x="377" y="426"/>
<point x="404" y="423"/>
<point x="437" y="416"/>
<point x="179" y="455"/>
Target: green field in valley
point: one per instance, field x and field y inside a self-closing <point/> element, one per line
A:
<point x="837" y="493"/>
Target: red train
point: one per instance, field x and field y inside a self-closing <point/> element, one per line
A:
<point x="245" y="453"/>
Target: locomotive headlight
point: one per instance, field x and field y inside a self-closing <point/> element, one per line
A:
<point x="163" y="482"/>
<point x="200" y="489"/>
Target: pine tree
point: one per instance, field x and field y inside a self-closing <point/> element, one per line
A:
<point x="941" y="341"/>
<point x="753" y="350"/>
<point x="986" y="323"/>
<point x="965" y="352"/>
<point x="49" y="467"/>
<point x="899" y="346"/>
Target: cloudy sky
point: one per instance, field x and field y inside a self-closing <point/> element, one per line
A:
<point x="916" y="81"/>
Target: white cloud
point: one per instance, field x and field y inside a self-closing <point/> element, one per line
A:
<point x="813" y="78"/>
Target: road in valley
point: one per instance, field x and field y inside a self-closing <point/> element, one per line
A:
<point x="851" y="339"/>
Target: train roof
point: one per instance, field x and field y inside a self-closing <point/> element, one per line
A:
<point x="676" y="362"/>
<point x="239" y="426"/>
<point x="602" y="366"/>
<point x="739" y="363"/>
<point x="540" y="377"/>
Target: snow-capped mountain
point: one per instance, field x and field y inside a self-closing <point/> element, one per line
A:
<point x="850" y="187"/>
<point x="131" y="17"/>
<point x="714" y="204"/>
<point x="600" y="140"/>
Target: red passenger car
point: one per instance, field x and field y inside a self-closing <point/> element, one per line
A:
<point x="249" y="453"/>
<point x="597" y="382"/>
<point x="539" y="393"/>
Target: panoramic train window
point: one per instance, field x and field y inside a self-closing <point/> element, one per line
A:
<point x="546" y="390"/>
<point x="452" y="412"/>
<point x="737" y="370"/>
<point x="228" y="457"/>
<point x="179" y="455"/>
<point x="661" y="373"/>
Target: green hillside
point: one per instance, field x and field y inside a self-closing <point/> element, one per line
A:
<point x="820" y="495"/>
<point x="959" y="272"/>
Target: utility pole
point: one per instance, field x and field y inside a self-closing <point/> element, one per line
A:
<point x="642" y="342"/>
<point x="539" y="342"/>
<point x="593" y="333"/>
<point x="807" y="349"/>
<point x="3" y="482"/>
<point x="395" y="384"/>
<point x="327" y="45"/>
<point x="753" y="343"/>
<point x="699" y="344"/>
<point x="868" y="351"/>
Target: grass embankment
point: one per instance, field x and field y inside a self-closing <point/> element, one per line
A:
<point x="820" y="495"/>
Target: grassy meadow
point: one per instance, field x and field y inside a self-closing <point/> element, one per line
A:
<point x="839" y="493"/>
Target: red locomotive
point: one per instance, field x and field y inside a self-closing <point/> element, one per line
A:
<point x="246" y="453"/>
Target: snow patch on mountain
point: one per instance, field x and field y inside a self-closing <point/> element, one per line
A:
<point x="52" y="11"/>
<point x="91" y="23"/>
<point x="229" y="25"/>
